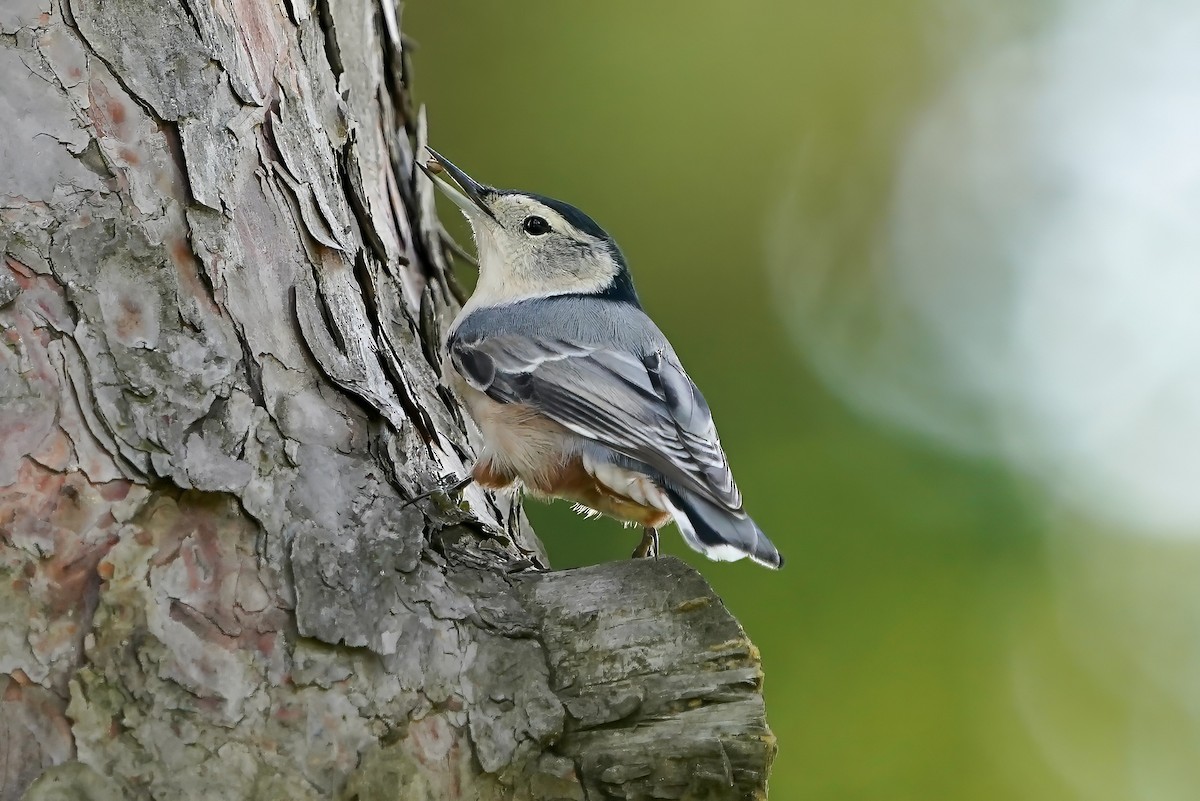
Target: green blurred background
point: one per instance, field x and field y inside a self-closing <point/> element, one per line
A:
<point x="937" y="629"/>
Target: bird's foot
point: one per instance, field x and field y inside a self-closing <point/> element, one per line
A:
<point x="451" y="487"/>
<point x="648" y="546"/>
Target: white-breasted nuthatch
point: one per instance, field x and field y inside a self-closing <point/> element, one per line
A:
<point x="576" y="392"/>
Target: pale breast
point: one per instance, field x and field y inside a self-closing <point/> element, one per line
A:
<point x="517" y="439"/>
<point x="520" y="443"/>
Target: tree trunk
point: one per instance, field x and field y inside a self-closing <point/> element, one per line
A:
<point x="222" y="300"/>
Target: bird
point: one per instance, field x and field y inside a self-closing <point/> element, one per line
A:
<point x="576" y="392"/>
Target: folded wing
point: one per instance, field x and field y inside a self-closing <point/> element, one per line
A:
<point x="643" y="406"/>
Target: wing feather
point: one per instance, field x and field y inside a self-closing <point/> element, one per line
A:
<point x="645" y="408"/>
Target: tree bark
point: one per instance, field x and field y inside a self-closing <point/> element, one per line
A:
<point x="222" y="300"/>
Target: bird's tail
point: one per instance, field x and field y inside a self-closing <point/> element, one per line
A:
<point x="719" y="533"/>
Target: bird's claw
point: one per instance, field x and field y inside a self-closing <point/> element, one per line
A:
<point x="648" y="547"/>
<point x="452" y="487"/>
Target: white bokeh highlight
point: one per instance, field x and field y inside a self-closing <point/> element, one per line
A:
<point x="1036" y="292"/>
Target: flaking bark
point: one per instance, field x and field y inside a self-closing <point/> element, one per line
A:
<point x="222" y="297"/>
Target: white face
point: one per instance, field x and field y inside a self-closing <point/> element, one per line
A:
<point x="530" y="250"/>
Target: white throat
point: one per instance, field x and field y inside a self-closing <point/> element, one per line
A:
<point x="510" y="270"/>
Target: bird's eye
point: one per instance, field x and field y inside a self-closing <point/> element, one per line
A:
<point x="535" y="226"/>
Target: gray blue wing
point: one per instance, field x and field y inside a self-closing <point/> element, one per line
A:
<point x="645" y="407"/>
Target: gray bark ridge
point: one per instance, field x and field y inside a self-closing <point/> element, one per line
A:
<point x="222" y="296"/>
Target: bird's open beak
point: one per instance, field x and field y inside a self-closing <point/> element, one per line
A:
<point x="471" y="199"/>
